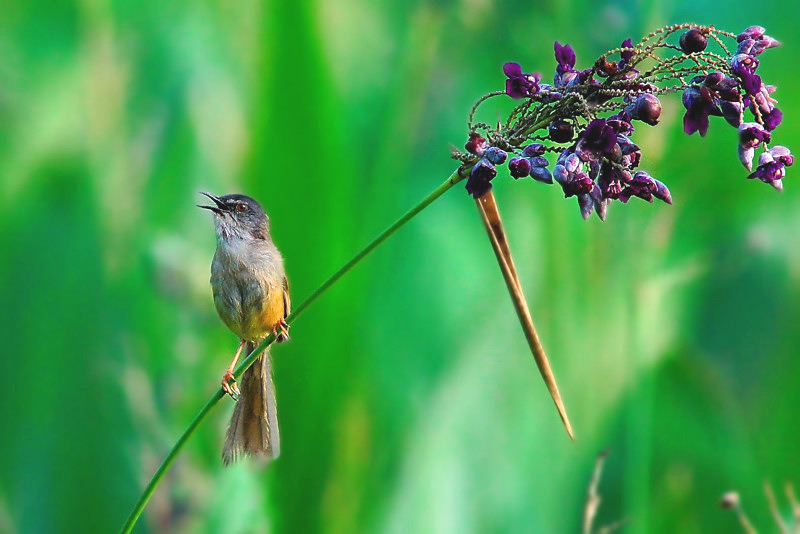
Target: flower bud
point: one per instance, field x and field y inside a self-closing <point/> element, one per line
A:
<point x="772" y="118"/>
<point x="519" y="167"/>
<point x="693" y="41"/>
<point x="572" y="163"/>
<point x="662" y="192"/>
<point x="732" y="112"/>
<point x="730" y="500"/>
<point x="496" y="155"/>
<point x="561" y="175"/>
<point x="539" y="161"/>
<point x="746" y="155"/>
<point x="647" y="109"/>
<point x="751" y="32"/>
<point x="782" y="154"/>
<point x="534" y="149"/>
<point x="586" y="205"/>
<point x="561" y="131"/>
<point x="541" y="174"/>
<point x="476" y="144"/>
<point x="479" y="181"/>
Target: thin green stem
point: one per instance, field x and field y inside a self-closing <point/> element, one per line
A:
<point x="453" y="179"/>
<point x="439" y="191"/>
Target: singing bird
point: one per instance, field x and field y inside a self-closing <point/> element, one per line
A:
<point x="251" y="294"/>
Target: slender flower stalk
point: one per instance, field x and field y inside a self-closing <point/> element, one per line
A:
<point x="133" y="517"/>
<point x="454" y="178"/>
<point x="732" y="501"/>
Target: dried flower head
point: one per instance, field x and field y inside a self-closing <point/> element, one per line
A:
<point x="730" y="500"/>
<point x="586" y="117"/>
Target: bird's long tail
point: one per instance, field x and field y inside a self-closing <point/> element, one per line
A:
<point x="253" y="430"/>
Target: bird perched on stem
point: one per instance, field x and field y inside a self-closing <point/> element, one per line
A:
<point x="251" y="294"/>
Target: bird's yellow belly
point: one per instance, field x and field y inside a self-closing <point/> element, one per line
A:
<point x="247" y="305"/>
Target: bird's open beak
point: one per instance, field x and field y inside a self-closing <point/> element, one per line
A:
<point x="220" y="206"/>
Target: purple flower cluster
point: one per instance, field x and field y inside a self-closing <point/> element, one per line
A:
<point x="518" y="84"/>
<point x="596" y="160"/>
<point x="600" y="167"/>
<point x="719" y="94"/>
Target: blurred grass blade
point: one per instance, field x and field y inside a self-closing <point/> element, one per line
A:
<point x="773" y="508"/>
<point x="593" y="496"/>
<point x="487" y="206"/>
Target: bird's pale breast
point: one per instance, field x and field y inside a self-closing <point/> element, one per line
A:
<point x="248" y="290"/>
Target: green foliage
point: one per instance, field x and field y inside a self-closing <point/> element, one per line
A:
<point x="408" y="399"/>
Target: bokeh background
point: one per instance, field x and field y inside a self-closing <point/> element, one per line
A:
<point x="408" y="399"/>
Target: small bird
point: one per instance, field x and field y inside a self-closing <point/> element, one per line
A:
<point x="251" y="294"/>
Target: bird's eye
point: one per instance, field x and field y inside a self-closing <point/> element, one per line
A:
<point x="241" y="208"/>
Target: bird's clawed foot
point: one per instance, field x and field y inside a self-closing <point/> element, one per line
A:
<point x="229" y="386"/>
<point x="281" y="331"/>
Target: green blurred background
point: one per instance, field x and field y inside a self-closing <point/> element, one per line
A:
<point x="408" y="399"/>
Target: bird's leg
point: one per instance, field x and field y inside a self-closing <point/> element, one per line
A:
<point x="281" y="330"/>
<point x="232" y="389"/>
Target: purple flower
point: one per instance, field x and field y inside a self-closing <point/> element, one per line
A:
<point x="751" y="135"/>
<point x="570" y="173"/>
<point x="518" y="84"/>
<point x="626" y="55"/>
<point x="565" y="57"/>
<point x="744" y="66"/>
<point x="479" y="181"/>
<point x="753" y="32"/>
<point x="646" y="187"/>
<point x="772" y="166"/>
<point x="699" y="103"/>
<point x="732" y="112"/>
<point x="631" y="153"/>
<point x="725" y="88"/>
<point x="598" y="139"/>
<point x="589" y="115"/>
<point x="763" y="104"/>
<point x="782" y="154"/>
<point x="753" y="41"/>
<point x="611" y="180"/>
<point x="621" y="123"/>
<point x="565" y="70"/>
<point x="581" y="184"/>
<point x="772" y="119"/>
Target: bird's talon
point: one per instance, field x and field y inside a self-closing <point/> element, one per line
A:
<point x="281" y="331"/>
<point x="231" y="388"/>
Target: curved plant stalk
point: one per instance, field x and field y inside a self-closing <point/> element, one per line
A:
<point x="457" y="176"/>
<point x="487" y="206"/>
<point x="133" y="517"/>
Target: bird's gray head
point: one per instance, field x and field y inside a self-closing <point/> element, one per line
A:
<point x="238" y="216"/>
